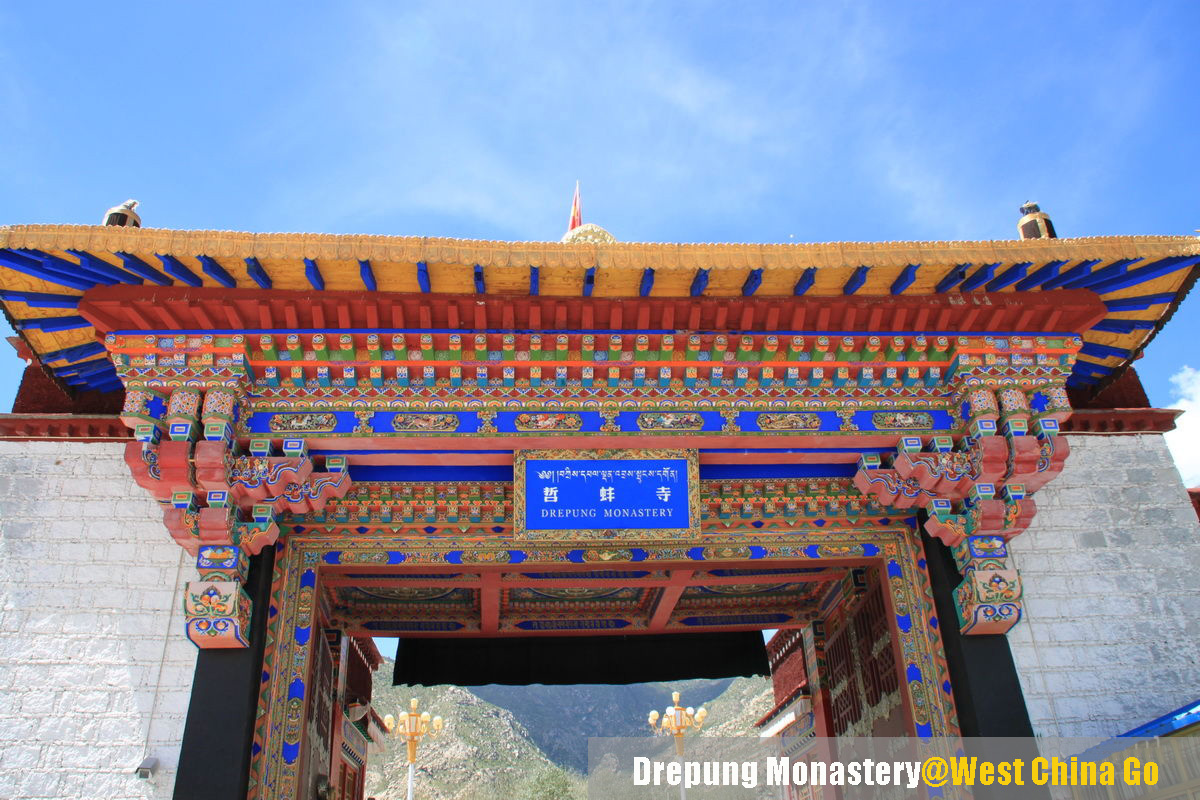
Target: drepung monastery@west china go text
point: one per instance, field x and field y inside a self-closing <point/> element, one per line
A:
<point x="235" y="459"/>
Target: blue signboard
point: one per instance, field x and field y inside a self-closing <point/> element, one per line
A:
<point x="606" y="493"/>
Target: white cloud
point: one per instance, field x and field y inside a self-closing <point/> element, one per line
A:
<point x="1184" y="441"/>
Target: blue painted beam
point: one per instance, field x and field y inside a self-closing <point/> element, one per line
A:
<point x="139" y="267"/>
<point x="699" y="283"/>
<point x="1113" y="270"/>
<point x="175" y="268"/>
<point x="41" y="299"/>
<point x="906" y="279"/>
<point x="367" y="274"/>
<point x="979" y="277"/>
<point x="647" y="282"/>
<point x="753" y="281"/>
<point x="1140" y="303"/>
<point x="1096" y="350"/>
<point x="1010" y="276"/>
<point x="1082" y="269"/>
<point x="86" y="368"/>
<point x="423" y="276"/>
<point x="64" y="267"/>
<point x="589" y="281"/>
<point x="213" y="269"/>
<point x="52" y="324"/>
<point x="1150" y="271"/>
<point x="73" y="353"/>
<point x="952" y="278"/>
<point x="1091" y="368"/>
<point x="1123" y="325"/>
<point x="806" y="282"/>
<point x="37" y="269"/>
<point x="98" y="266"/>
<point x="534" y="282"/>
<point x="257" y="273"/>
<point x="1040" y="275"/>
<point x="313" y="273"/>
<point x="480" y="284"/>
<point x="856" y="280"/>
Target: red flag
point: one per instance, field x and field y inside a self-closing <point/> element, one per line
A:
<point x="576" y="211"/>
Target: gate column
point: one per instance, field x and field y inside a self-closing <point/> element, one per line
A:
<point x="214" y="760"/>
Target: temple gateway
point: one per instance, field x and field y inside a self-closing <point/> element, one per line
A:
<point x="236" y="458"/>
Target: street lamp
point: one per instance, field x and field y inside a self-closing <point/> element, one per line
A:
<point x="413" y="727"/>
<point x="677" y="721"/>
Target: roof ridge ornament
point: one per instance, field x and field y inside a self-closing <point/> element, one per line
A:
<point x="123" y="216"/>
<point x="1035" y="223"/>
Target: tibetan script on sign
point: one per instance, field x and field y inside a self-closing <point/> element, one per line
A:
<point x="606" y="493"/>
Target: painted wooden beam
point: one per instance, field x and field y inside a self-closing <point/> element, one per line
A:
<point x="480" y="284"/>
<point x="589" y="281"/>
<point x="805" y="282"/>
<point x="50" y="324"/>
<point x="1080" y="270"/>
<point x="952" y="278"/>
<point x="647" y="282"/>
<point x="41" y="299"/>
<point x="489" y="602"/>
<point x="534" y="282"/>
<point x="96" y="265"/>
<point x="905" y="279"/>
<point x="856" y="280"/>
<point x="367" y="274"/>
<point x="1140" y="303"/>
<point x="175" y="268"/>
<point x="213" y="269"/>
<point x="1041" y="275"/>
<point x="313" y="273"/>
<point x="139" y="267"/>
<point x="35" y="268"/>
<point x="1150" y="271"/>
<point x="979" y="277"/>
<point x="752" y="282"/>
<point x="257" y="273"/>
<point x="699" y="283"/>
<point x="1010" y="276"/>
<point x="669" y="599"/>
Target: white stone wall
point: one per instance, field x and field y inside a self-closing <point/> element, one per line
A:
<point x="95" y="671"/>
<point x="1111" y="573"/>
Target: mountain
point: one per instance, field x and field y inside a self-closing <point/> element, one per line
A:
<point x="530" y="742"/>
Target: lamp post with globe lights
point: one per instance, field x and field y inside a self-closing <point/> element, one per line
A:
<point x="676" y="721"/>
<point x="413" y="727"/>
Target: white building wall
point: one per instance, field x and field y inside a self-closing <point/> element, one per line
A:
<point x="1111" y="575"/>
<point x="95" y="671"/>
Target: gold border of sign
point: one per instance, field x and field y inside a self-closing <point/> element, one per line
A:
<point x="693" y="484"/>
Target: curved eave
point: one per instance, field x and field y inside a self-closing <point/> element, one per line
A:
<point x="43" y="267"/>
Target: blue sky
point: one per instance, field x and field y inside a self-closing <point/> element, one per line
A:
<point x="684" y="122"/>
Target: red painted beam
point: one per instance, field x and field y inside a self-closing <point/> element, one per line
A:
<point x="117" y="307"/>
<point x="489" y="603"/>
<point x="669" y="598"/>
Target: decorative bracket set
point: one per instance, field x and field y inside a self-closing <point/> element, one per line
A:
<point x="978" y="493"/>
<point x="220" y="505"/>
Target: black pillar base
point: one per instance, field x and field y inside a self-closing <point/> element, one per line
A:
<point x="214" y="761"/>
